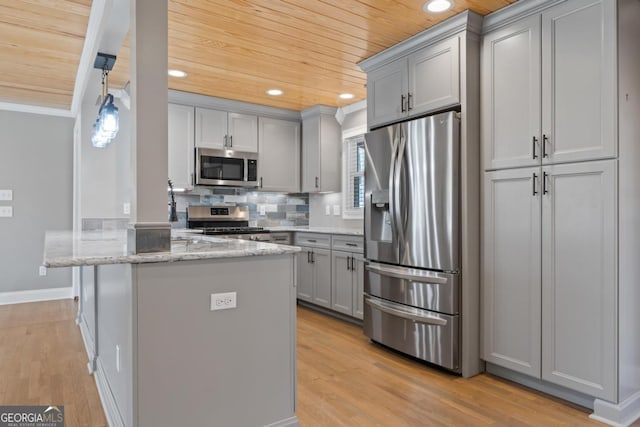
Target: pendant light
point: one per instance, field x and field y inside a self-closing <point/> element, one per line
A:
<point x="107" y="124"/>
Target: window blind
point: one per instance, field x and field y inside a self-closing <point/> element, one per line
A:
<point x="354" y="176"/>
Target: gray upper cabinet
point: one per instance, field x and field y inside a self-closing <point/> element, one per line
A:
<point x="279" y="162"/>
<point x="549" y="93"/>
<point x="426" y="80"/>
<point x="219" y="130"/>
<point x="579" y="91"/>
<point x="510" y="111"/>
<point x="321" y="150"/>
<point x="181" y="146"/>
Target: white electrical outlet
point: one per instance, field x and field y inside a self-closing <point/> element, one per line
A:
<point x="117" y="358"/>
<point x="336" y="210"/>
<point x="223" y="301"/>
<point x="43" y="270"/>
<point x="6" y="195"/>
<point x="6" y="211"/>
<point x="262" y="209"/>
<point x="126" y="208"/>
<point x="327" y="209"/>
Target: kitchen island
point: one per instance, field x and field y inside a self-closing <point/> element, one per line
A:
<point x="162" y="348"/>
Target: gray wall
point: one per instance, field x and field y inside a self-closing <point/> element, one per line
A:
<point x="36" y="162"/>
<point x="105" y="179"/>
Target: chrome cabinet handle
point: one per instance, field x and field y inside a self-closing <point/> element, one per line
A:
<point x="545" y="139"/>
<point x="402" y="109"/>
<point x="313" y="257"/>
<point x="230" y="140"/>
<point x="311" y="240"/>
<point x="351" y="244"/>
<point x="260" y="182"/>
<point x="409" y="98"/>
<point x="535" y="178"/>
<point x="317" y="183"/>
<point x="534" y="142"/>
<point x="405" y="314"/>
<point x="544" y="183"/>
<point x="226" y="137"/>
<point x="308" y="257"/>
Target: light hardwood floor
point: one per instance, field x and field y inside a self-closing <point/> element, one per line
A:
<point x="343" y="380"/>
<point x="43" y="361"/>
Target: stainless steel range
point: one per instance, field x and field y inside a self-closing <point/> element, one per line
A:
<point x="231" y="222"/>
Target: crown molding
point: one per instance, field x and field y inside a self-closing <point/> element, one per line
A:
<point x="35" y="109"/>
<point x="197" y="100"/>
<point x="515" y="11"/>
<point x="316" y="110"/>
<point x="356" y="106"/>
<point x="464" y="21"/>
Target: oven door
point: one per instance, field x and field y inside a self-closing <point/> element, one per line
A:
<point x="226" y="167"/>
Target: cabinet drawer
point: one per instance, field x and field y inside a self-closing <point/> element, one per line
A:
<point x="348" y="243"/>
<point x="313" y="240"/>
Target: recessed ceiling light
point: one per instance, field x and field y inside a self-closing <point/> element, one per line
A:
<point x="437" y="6"/>
<point x="346" y="96"/>
<point x="177" y="73"/>
<point x="274" y="92"/>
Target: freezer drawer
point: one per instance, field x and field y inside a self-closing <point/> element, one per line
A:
<point x="423" y="289"/>
<point x="429" y="336"/>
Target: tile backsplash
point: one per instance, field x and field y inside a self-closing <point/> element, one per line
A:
<point x="265" y="209"/>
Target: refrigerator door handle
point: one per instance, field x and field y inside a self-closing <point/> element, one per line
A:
<point x="392" y="191"/>
<point x="405" y="313"/>
<point x="424" y="277"/>
<point x="397" y="200"/>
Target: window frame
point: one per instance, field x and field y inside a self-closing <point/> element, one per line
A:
<point x="348" y="211"/>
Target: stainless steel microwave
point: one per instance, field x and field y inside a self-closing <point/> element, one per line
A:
<point x="226" y="167"/>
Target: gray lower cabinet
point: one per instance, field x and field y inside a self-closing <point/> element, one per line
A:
<point x="314" y="276"/>
<point x="347" y="283"/>
<point x="331" y="272"/>
<point x="314" y="268"/>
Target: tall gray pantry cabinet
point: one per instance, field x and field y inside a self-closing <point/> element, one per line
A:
<point x="560" y="157"/>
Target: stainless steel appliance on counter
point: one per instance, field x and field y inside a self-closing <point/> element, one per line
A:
<point x="231" y="222"/>
<point x="412" y="238"/>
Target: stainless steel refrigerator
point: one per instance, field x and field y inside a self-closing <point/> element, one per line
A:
<point x="412" y="235"/>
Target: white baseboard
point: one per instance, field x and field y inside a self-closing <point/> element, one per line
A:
<point x="19" y="297"/>
<point x="106" y="397"/>
<point x="621" y="415"/>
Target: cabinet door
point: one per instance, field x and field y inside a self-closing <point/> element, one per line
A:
<point x="211" y="128"/>
<point x="181" y="145"/>
<point x="243" y="132"/>
<point x="579" y="278"/>
<point x="322" y="277"/>
<point x="511" y="282"/>
<point x="434" y="77"/>
<point x="279" y="163"/>
<point x="387" y="90"/>
<point x="511" y="95"/>
<point x="311" y="155"/>
<point x="342" y="282"/>
<point x="579" y="80"/>
<point x="305" y="275"/>
<point x="358" y="286"/>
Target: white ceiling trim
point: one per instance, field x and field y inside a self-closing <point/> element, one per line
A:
<point x="35" y="109"/>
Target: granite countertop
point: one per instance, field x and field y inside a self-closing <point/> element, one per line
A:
<point x="323" y="230"/>
<point x="69" y="249"/>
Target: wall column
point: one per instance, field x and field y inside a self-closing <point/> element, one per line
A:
<point x="149" y="230"/>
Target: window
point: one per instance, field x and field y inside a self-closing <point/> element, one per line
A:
<point x="353" y="159"/>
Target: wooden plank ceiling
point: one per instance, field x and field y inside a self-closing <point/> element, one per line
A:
<point x="234" y="49"/>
